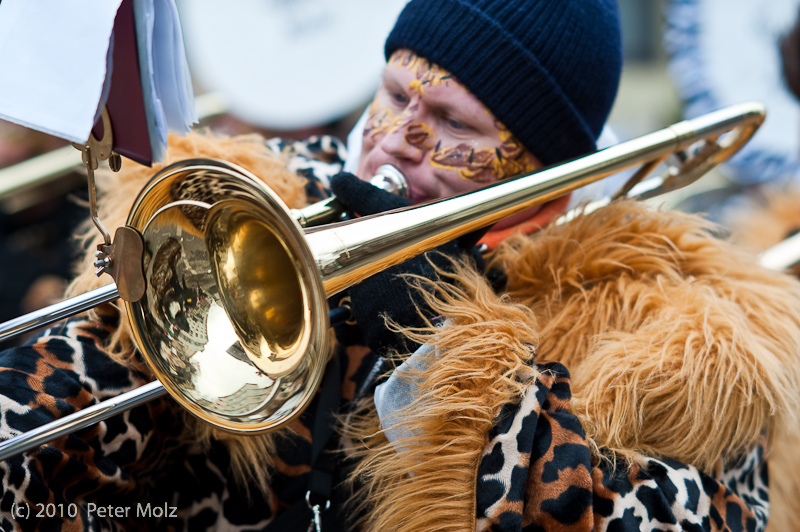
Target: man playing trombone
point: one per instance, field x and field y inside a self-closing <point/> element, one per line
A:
<point x="481" y="427"/>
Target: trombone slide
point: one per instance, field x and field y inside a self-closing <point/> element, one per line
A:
<point x="338" y="256"/>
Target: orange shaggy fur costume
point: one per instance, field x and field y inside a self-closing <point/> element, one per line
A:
<point x="678" y="345"/>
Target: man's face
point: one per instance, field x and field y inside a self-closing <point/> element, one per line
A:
<point x="436" y="133"/>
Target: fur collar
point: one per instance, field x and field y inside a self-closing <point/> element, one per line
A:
<point x="679" y="345"/>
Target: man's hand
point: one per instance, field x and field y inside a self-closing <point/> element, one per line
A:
<point x="387" y="294"/>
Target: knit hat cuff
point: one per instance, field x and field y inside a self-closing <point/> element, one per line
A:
<point x="535" y="110"/>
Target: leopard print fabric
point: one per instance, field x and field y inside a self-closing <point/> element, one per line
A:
<point x="537" y="473"/>
<point x="317" y="159"/>
<point x="141" y="457"/>
<point x="113" y="462"/>
<point x="141" y="464"/>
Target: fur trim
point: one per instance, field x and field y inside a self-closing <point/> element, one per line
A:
<point x="484" y="363"/>
<point x="679" y="345"/>
<point x="784" y="482"/>
<point x="116" y="194"/>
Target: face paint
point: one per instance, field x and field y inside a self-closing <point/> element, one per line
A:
<point x="379" y="121"/>
<point x="512" y="157"/>
<point x="486" y="164"/>
<point x="471" y="165"/>
<point x="383" y="120"/>
<point x="427" y="73"/>
<point x="421" y="136"/>
<point x="436" y="132"/>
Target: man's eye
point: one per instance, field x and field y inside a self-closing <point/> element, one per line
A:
<point x="455" y="124"/>
<point x="398" y="98"/>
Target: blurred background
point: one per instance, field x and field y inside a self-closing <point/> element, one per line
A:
<point x="298" y="67"/>
<point x="647" y="99"/>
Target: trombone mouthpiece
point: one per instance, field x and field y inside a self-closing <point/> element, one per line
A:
<point x="391" y="180"/>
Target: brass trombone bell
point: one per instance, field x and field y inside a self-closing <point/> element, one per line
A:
<point x="228" y="315"/>
<point x="229" y="319"/>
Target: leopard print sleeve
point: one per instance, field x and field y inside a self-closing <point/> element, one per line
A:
<point x="537" y="473"/>
<point x="70" y="483"/>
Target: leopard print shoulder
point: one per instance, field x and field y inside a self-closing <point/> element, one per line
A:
<point x="537" y="473"/>
<point x="316" y="158"/>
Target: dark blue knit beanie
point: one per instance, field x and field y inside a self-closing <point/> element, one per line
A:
<point x="547" y="69"/>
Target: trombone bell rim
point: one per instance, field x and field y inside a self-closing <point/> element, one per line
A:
<point x="187" y="326"/>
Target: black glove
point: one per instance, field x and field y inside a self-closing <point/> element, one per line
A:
<point x="386" y="294"/>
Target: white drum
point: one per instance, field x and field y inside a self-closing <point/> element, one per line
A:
<point x="288" y="64"/>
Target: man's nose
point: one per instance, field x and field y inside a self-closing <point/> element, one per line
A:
<point x="401" y="143"/>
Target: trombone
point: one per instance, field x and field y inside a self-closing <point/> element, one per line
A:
<point x="238" y="336"/>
